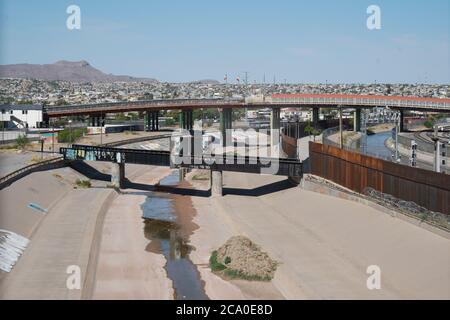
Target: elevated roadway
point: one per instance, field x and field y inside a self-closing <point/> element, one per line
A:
<point x="276" y="101"/>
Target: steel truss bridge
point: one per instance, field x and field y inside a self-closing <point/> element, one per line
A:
<point x="286" y="166"/>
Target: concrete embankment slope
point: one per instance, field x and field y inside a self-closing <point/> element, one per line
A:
<point x="324" y="244"/>
<point x="63" y="238"/>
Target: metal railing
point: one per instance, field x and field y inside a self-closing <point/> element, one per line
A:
<point x="4" y="180"/>
<point x="402" y="102"/>
<point x="144" y="103"/>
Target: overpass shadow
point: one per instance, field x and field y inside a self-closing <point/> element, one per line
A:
<point x="89" y="171"/>
<point x="262" y="190"/>
<point x="169" y="189"/>
<point x="94" y="174"/>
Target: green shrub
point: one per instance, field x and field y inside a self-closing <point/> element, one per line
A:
<point x="214" y="264"/>
<point x="83" y="183"/>
<point x="429" y="124"/>
<point x="22" y="141"/>
<point x="71" y="135"/>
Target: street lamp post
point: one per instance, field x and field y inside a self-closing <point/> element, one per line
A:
<point x="3" y="129"/>
<point x="437" y="158"/>
<point x="70" y="131"/>
<point x="53" y="137"/>
<point x="101" y="129"/>
<point x="341" y="134"/>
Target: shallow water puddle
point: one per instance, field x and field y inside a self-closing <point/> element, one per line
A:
<point x="160" y="227"/>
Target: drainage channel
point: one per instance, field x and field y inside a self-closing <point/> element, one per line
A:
<point x="162" y="229"/>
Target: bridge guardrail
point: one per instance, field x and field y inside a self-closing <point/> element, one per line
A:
<point x="13" y="176"/>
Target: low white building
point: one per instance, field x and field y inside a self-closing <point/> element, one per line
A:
<point x="21" y="116"/>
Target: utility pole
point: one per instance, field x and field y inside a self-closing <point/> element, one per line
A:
<point x="70" y="130"/>
<point x="246" y="77"/>
<point x="101" y="129"/>
<point x="413" y="159"/>
<point x="264" y="78"/>
<point x="437" y="150"/>
<point x="3" y="129"/>
<point x="341" y="134"/>
<point x="53" y="137"/>
<point x="397" y="125"/>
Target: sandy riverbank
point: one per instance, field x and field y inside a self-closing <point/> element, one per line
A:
<point x="324" y="245"/>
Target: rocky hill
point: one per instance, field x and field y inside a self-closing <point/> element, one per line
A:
<point x="78" y="71"/>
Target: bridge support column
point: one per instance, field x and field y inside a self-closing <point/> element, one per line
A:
<point x="216" y="183"/>
<point x="226" y="124"/>
<point x="156" y="113"/>
<point x="315" y="116"/>
<point x="45" y="120"/>
<point x="182" y="173"/>
<point x="152" y="121"/>
<point x="92" y="121"/>
<point x="401" y="124"/>
<point x="275" y="126"/>
<point x="117" y="174"/>
<point x="357" y="120"/>
<point x="186" y="119"/>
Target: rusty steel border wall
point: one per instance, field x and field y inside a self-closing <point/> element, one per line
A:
<point x="356" y="172"/>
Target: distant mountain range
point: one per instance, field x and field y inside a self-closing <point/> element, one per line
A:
<point x="76" y="71"/>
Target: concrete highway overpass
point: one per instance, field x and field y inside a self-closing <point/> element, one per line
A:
<point x="277" y="101"/>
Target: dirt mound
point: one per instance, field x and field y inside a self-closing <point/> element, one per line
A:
<point x="239" y="257"/>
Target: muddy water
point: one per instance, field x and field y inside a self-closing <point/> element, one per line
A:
<point x="161" y="228"/>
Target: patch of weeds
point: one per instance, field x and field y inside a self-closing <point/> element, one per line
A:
<point x="214" y="264"/>
<point x="222" y="269"/>
<point x="203" y="176"/>
<point x="235" y="274"/>
<point x="83" y="183"/>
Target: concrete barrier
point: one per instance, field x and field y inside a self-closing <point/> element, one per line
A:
<point x="40" y="166"/>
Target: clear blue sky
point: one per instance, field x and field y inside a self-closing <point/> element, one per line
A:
<point x="179" y="40"/>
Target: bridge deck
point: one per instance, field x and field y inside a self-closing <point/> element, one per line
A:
<point x="280" y="100"/>
<point x="278" y="166"/>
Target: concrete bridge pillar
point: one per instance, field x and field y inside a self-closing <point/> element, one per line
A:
<point x="45" y="120"/>
<point x="152" y="121"/>
<point x="401" y="124"/>
<point x="315" y="116"/>
<point x="187" y="119"/>
<point x="226" y="124"/>
<point x="357" y="120"/>
<point x="275" y="126"/>
<point x="92" y="120"/>
<point x="216" y="181"/>
<point x="117" y="174"/>
<point x="182" y="173"/>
